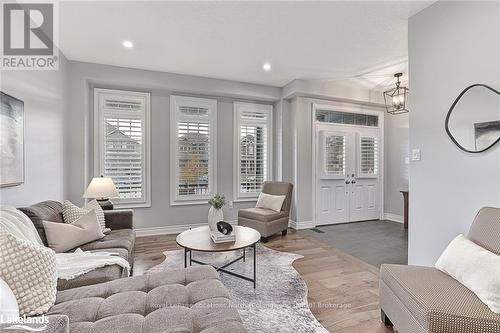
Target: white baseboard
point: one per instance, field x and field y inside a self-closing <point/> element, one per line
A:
<point x="301" y="225"/>
<point x="171" y="229"/>
<point x="393" y="217"/>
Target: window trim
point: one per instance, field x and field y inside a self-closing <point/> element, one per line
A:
<point x="211" y="104"/>
<point x="237" y="108"/>
<point x="361" y="175"/>
<point x="322" y="136"/>
<point x="98" y="151"/>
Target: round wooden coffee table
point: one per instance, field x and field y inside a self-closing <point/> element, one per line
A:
<point x="198" y="239"/>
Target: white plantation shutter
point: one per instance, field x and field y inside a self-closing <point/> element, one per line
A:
<point x="122" y="143"/>
<point x="253" y="126"/>
<point x="368" y="156"/>
<point x="193" y="146"/>
<point x="335" y="155"/>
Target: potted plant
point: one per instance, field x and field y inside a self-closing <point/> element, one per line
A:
<point x="215" y="213"/>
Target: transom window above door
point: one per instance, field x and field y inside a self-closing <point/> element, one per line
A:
<point x="347" y="118"/>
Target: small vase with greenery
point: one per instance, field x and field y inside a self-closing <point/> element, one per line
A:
<point x="215" y="213"/>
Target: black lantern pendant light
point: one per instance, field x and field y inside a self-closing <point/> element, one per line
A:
<point x="395" y="99"/>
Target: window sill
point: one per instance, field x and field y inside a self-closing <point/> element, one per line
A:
<point x="189" y="202"/>
<point x="254" y="199"/>
<point x="131" y="205"/>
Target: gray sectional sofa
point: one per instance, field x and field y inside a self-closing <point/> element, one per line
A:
<point x="191" y="300"/>
<point x="120" y="240"/>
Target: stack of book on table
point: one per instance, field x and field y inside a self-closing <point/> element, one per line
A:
<point x="218" y="237"/>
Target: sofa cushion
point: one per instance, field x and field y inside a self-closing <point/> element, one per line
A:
<point x="98" y="275"/>
<point x="184" y="300"/>
<point x="260" y="214"/>
<point x="44" y="211"/>
<point x="122" y="238"/>
<point x="437" y="301"/>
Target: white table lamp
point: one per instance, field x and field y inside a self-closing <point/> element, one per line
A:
<point x="102" y="189"/>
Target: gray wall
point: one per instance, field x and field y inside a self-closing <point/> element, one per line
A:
<point x="451" y="45"/>
<point x="396" y="162"/>
<point x="84" y="76"/>
<point x="45" y="104"/>
<point x="59" y="138"/>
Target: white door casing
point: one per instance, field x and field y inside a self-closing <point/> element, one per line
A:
<point x="354" y="192"/>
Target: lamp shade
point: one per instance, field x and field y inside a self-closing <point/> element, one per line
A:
<point x="101" y="188"/>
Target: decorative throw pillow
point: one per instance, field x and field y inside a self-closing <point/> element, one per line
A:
<point x="475" y="267"/>
<point x="71" y="213"/>
<point x="269" y="201"/>
<point x="62" y="237"/>
<point x="30" y="271"/>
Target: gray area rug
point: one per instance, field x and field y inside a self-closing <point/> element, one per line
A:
<point x="278" y="304"/>
<point x="374" y="242"/>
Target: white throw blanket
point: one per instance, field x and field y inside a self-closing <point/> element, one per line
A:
<point x="69" y="265"/>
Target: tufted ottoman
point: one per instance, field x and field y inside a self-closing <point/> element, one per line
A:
<point x="184" y="300"/>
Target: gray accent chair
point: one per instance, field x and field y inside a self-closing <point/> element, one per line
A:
<point x="423" y="299"/>
<point x="266" y="221"/>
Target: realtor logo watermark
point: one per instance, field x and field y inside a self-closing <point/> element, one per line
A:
<point x="29" y="36"/>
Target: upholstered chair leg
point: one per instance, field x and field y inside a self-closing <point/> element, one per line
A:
<point x="284" y="232"/>
<point x="385" y="320"/>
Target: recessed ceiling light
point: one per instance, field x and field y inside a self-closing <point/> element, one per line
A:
<point x="127" y="44"/>
<point x="266" y="67"/>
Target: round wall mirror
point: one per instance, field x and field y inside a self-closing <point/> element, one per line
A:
<point x="473" y="121"/>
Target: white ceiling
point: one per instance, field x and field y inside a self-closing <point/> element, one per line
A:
<point x="231" y="40"/>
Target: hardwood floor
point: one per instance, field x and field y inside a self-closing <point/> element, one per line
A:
<point x="343" y="290"/>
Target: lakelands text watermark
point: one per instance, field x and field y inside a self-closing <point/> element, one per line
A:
<point x="31" y="324"/>
<point x="29" y="33"/>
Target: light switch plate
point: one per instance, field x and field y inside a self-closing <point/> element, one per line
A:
<point x="415" y="155"/>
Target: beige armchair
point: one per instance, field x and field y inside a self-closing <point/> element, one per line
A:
<point x="269" y="222"/>
<point x="426" y="300"/>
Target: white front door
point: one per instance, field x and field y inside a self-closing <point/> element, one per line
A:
<point x="347" y="186"/>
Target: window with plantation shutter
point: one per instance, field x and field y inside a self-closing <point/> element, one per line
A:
<point x="335" y="155"/>
<point x="253" y="148"/>
<point x="193" y="149"/>
<point x="368" y="156"/>
<point x="121" y="145"/>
